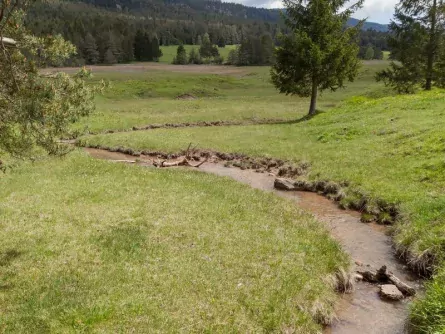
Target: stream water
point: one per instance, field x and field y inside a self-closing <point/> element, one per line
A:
<point x="363" y="311"/>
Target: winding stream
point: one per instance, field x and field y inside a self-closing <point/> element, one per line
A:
<point x="363" y="311"/>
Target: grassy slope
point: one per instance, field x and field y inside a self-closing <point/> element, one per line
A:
<point x="169" y="52"/>
<point x="391" y="148"/>
<point x="137" y="99"/>
<point x="89" y="245"/>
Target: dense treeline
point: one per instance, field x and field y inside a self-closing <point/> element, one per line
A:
<point x="107" y="32"/>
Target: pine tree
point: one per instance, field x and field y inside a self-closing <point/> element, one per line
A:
<point x="206" y="48"/>
<point x="320" y="53"/>
<point x="369" y="54"/>
<point x="417" y="46"/>
<point x="194" y="57"/>
<point x="232" y="58"/>
<point x="90" y="50"/>
<point x="109" y="57"/>
<point x="378" y="53"/>
<point x="181" y="56"/>
<point x="268" y="48"/>
<point x="156" y="52"/>
<point x="138" y="45"/>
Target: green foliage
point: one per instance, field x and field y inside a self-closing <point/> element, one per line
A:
<point x="254" y="51"/>
<point x="417" y="47"/>
<point x="90" y="51"/>
<point x="207" y="49"/>
<point x="37" y="108"/>
<point x="428" y="314"/>
<point x="320" y="53"/>
<point x="232" y="58"/>
<point x="181" y="56"/>
<point x="194" y="57"/>
<point x="146" y="47"/>
<point x="369" y="53"/>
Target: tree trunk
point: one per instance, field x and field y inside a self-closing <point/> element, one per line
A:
<point x="431" y="48"/>
<point x="313" y="106"/>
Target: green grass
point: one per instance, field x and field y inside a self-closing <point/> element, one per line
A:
<point x="137" y="99"/>
<point x="94" y="246"/>
<point x="388" y="148"/>
<point x="169" y="52"/>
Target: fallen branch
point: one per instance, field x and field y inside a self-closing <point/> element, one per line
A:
<point x="403" y="287"/>
<point x="184" y="161"/>
<point x="383" y="276"/>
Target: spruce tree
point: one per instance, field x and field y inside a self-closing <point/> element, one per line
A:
<point x="206" y="48"/>
<point x="194" y="57"/>
<point x="90" y="50"/>
<point x="138" y="45"/>
<point x="181" y="56"/>
<point x="109" y="57"/>
<point x="417" y="46"/>
<point x="320" y="53"/>
<point x="155" y="52"/>
<point x="369" y="54"/>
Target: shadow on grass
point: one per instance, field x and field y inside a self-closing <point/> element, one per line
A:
<point x="301" y="119"/>
<point x="7" y="257"/>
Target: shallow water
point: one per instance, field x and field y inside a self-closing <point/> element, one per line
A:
<point x="363" y="311"/>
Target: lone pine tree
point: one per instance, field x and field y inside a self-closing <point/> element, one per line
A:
<point x="320" y="52"/>
<point x="417" y="46"/>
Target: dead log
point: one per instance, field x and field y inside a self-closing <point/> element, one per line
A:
<point x="383" y="276"/>
<point x="181" y="162"/>
<point x="368" y="276"/>
<point x="403" y="287"/>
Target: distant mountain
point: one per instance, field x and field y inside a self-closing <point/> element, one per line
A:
<point x="208" y="9"/>
<point x="370" y="25"/>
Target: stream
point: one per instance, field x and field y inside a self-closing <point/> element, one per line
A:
<point x="362" y="311"/>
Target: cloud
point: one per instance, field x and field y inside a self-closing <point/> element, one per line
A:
<point x="380" y="11"/>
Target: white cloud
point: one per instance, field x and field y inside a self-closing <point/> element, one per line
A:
<point x="380" y="11"/>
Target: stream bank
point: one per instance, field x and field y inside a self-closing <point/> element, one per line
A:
<point x="367" y="244"/>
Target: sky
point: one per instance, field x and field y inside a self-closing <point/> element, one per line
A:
<point x="379" y="11"/>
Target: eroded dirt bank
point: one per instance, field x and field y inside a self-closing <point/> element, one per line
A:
<point x="363" y="311"/>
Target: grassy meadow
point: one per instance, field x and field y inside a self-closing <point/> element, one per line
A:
<point x="388" y="148"/>
<point x="95" y="246"/>
<point x="148" y="97"/>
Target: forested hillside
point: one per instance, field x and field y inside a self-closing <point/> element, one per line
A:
<point x="104" y="31"/>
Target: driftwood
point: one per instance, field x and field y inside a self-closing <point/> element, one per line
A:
<point x="184" y="161"/>
<point x="403" y="287"/>
<point x="383" y="276"/>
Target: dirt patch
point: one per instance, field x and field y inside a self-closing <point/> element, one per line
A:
<point x="197" y="124"/>
<point x="185" y="97"/>
<point x="145" y="67"/>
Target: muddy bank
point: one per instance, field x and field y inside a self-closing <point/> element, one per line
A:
<point x="363" y="311"/>
<point x="347" y="198"/>
<point x="260" y="121"/>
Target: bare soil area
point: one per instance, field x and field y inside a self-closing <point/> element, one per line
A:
<point x="146" y="67"/>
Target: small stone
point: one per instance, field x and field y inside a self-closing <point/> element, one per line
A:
<point x="284" y="184"/>
<point x="390" y="291"/>
<point x="358" y="277"/>
<point x="359" y="263"/>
